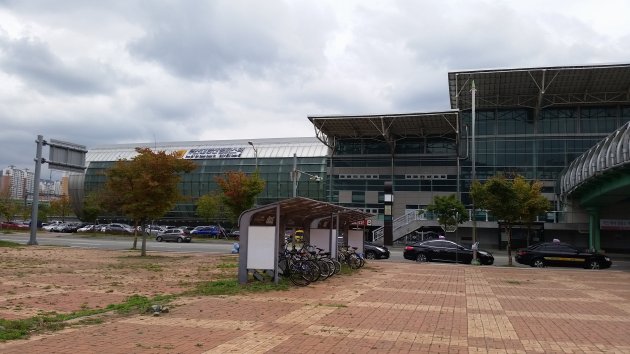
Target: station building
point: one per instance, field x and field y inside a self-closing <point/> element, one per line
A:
<point x="531" y="122"/>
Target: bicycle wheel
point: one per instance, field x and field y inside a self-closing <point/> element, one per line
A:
<point x="331" y="266"/>
<point x="337" y="266"/>
<point x="310" y="270"/>
<point x="324" y="269"/>
<point x="296" y="275"/>
<point x="361" y="261"/>
<point x="354" y="261"/>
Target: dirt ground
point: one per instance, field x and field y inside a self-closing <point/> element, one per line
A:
<point x="42" y="279"/>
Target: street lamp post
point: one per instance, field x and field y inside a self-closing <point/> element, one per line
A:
<point x="255" y="153"/>
<point x="473" y="174"/>
<point x="295" y="176"/>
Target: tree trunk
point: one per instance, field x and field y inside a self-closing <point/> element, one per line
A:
<point x="144" y="240"/>
<point x="135" y="235"/>
<point x="144" y="244"/>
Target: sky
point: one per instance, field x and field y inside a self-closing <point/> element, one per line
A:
<point x="130" y="71"/>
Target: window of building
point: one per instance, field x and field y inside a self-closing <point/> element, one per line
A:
<point x="514" y="122"/>
<point x="557" y="121"/>
<point x="598" y="119"/>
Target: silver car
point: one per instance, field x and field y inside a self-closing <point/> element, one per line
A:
<point x="154" y="230"/>
<point x="177" y="235"/>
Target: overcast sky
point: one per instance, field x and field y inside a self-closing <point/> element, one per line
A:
<point x="103" y="72"/>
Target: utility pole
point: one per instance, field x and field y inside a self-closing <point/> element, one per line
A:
<point x="35" y="206"/>
<point x="474" y="174"/>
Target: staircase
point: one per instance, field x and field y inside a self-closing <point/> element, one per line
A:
<point x="404" y="225"/>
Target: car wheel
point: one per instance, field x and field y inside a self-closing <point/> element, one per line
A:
<point x="370" y="255"/>
<point x="421" y="258"/>
<point x="538" y="263"/>
<point x="592" y="264"/>
<point x="179" y="240"/>
<point x="158" y="239"/>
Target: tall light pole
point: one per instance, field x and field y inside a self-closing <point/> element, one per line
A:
<point x="255" y="153"/>
<point x="295" y="176"/>
<point x="473" y="91"/>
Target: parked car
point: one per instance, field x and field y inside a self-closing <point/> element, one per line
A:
<point x="374" y="251"/>
<point x="444" y="251"/>
<point x="11" y="225"/>
<point x="177" y="235"/>
<point x="114" y="228"/>
<point x="50" y="225"/>
<point x="57" y="227"/>
<point x="235" y="234"/>
<point x="561" y="254"/>
<point x="68" y="227"/>
<point x="153" y="230"/>
<point x="87" y="228"/>
<point x="212" y="230"/>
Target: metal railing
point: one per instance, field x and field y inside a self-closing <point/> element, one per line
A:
<point x="611" y="152"/>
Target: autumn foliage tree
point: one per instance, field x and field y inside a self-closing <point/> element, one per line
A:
<point x="61" y="207"/>
<point x="239" y="191"/>
<point x="145" y="187"/>
<point x="9" y="207"/>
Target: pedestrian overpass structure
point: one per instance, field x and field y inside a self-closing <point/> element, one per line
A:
<point x="599" y="178"/>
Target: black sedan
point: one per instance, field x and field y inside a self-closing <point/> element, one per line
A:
<point x="374" y="251"/>
<point x="444" y="251"/>
<point x="561" y="254"/>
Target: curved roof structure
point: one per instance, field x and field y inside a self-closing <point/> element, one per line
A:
<point x="610" y="153"/>
<point x="265" y="148"/>
<point x="541" y="87"/>
<point x="387" y="126"/>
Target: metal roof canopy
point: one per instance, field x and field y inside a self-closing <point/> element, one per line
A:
<point x="387" y="126"/>
<point x="541" y="87"/>
<point x="298" y="211"/>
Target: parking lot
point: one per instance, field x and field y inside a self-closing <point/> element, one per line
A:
<point x="388" y="307"/>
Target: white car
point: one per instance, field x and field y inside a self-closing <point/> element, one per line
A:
<point x="86" y="228"/>
<point x="52" y="224"/>
<point x="153" y="230"/>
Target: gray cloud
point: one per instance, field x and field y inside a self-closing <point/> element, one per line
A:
<point x="126" y="71"/>
<point x="217" y="39"/>
<point x="33" y="62"/>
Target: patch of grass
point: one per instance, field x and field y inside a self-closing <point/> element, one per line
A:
<point x="227" y="265"/>
<point x="19" y="329"/>
<point x="334" y="305"/>
<point x="10" y="244"/>
<point x="233" y="287"/>
<point x="153" y="267"/>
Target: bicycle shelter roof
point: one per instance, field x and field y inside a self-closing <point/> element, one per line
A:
<point x="299" y="211"/>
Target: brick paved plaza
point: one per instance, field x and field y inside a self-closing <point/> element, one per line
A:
<point x="388" y="307"/>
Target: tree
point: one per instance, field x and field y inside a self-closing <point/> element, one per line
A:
<point x="9" y="207"/>
<point x="145" y="187"/>
<point x="61" y="207"/>
<point x="510" y="201"/>
<point x="239" y="191"/>
<point x="449" y="210"/>
<point x="534" y="203"/>
<point x="91" y="207"/>
<point x="210" y="207"/>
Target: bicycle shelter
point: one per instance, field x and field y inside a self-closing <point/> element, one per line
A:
<point x="262" y="230"/>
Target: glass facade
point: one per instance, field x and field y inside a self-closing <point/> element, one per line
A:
<point x="274" y="170"/>
<point x="360" y="168"/>
<point x="515" y="142"/>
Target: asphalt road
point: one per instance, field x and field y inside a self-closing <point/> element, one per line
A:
<point x="620" y="262"/>
<point x="118" y="243"/>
